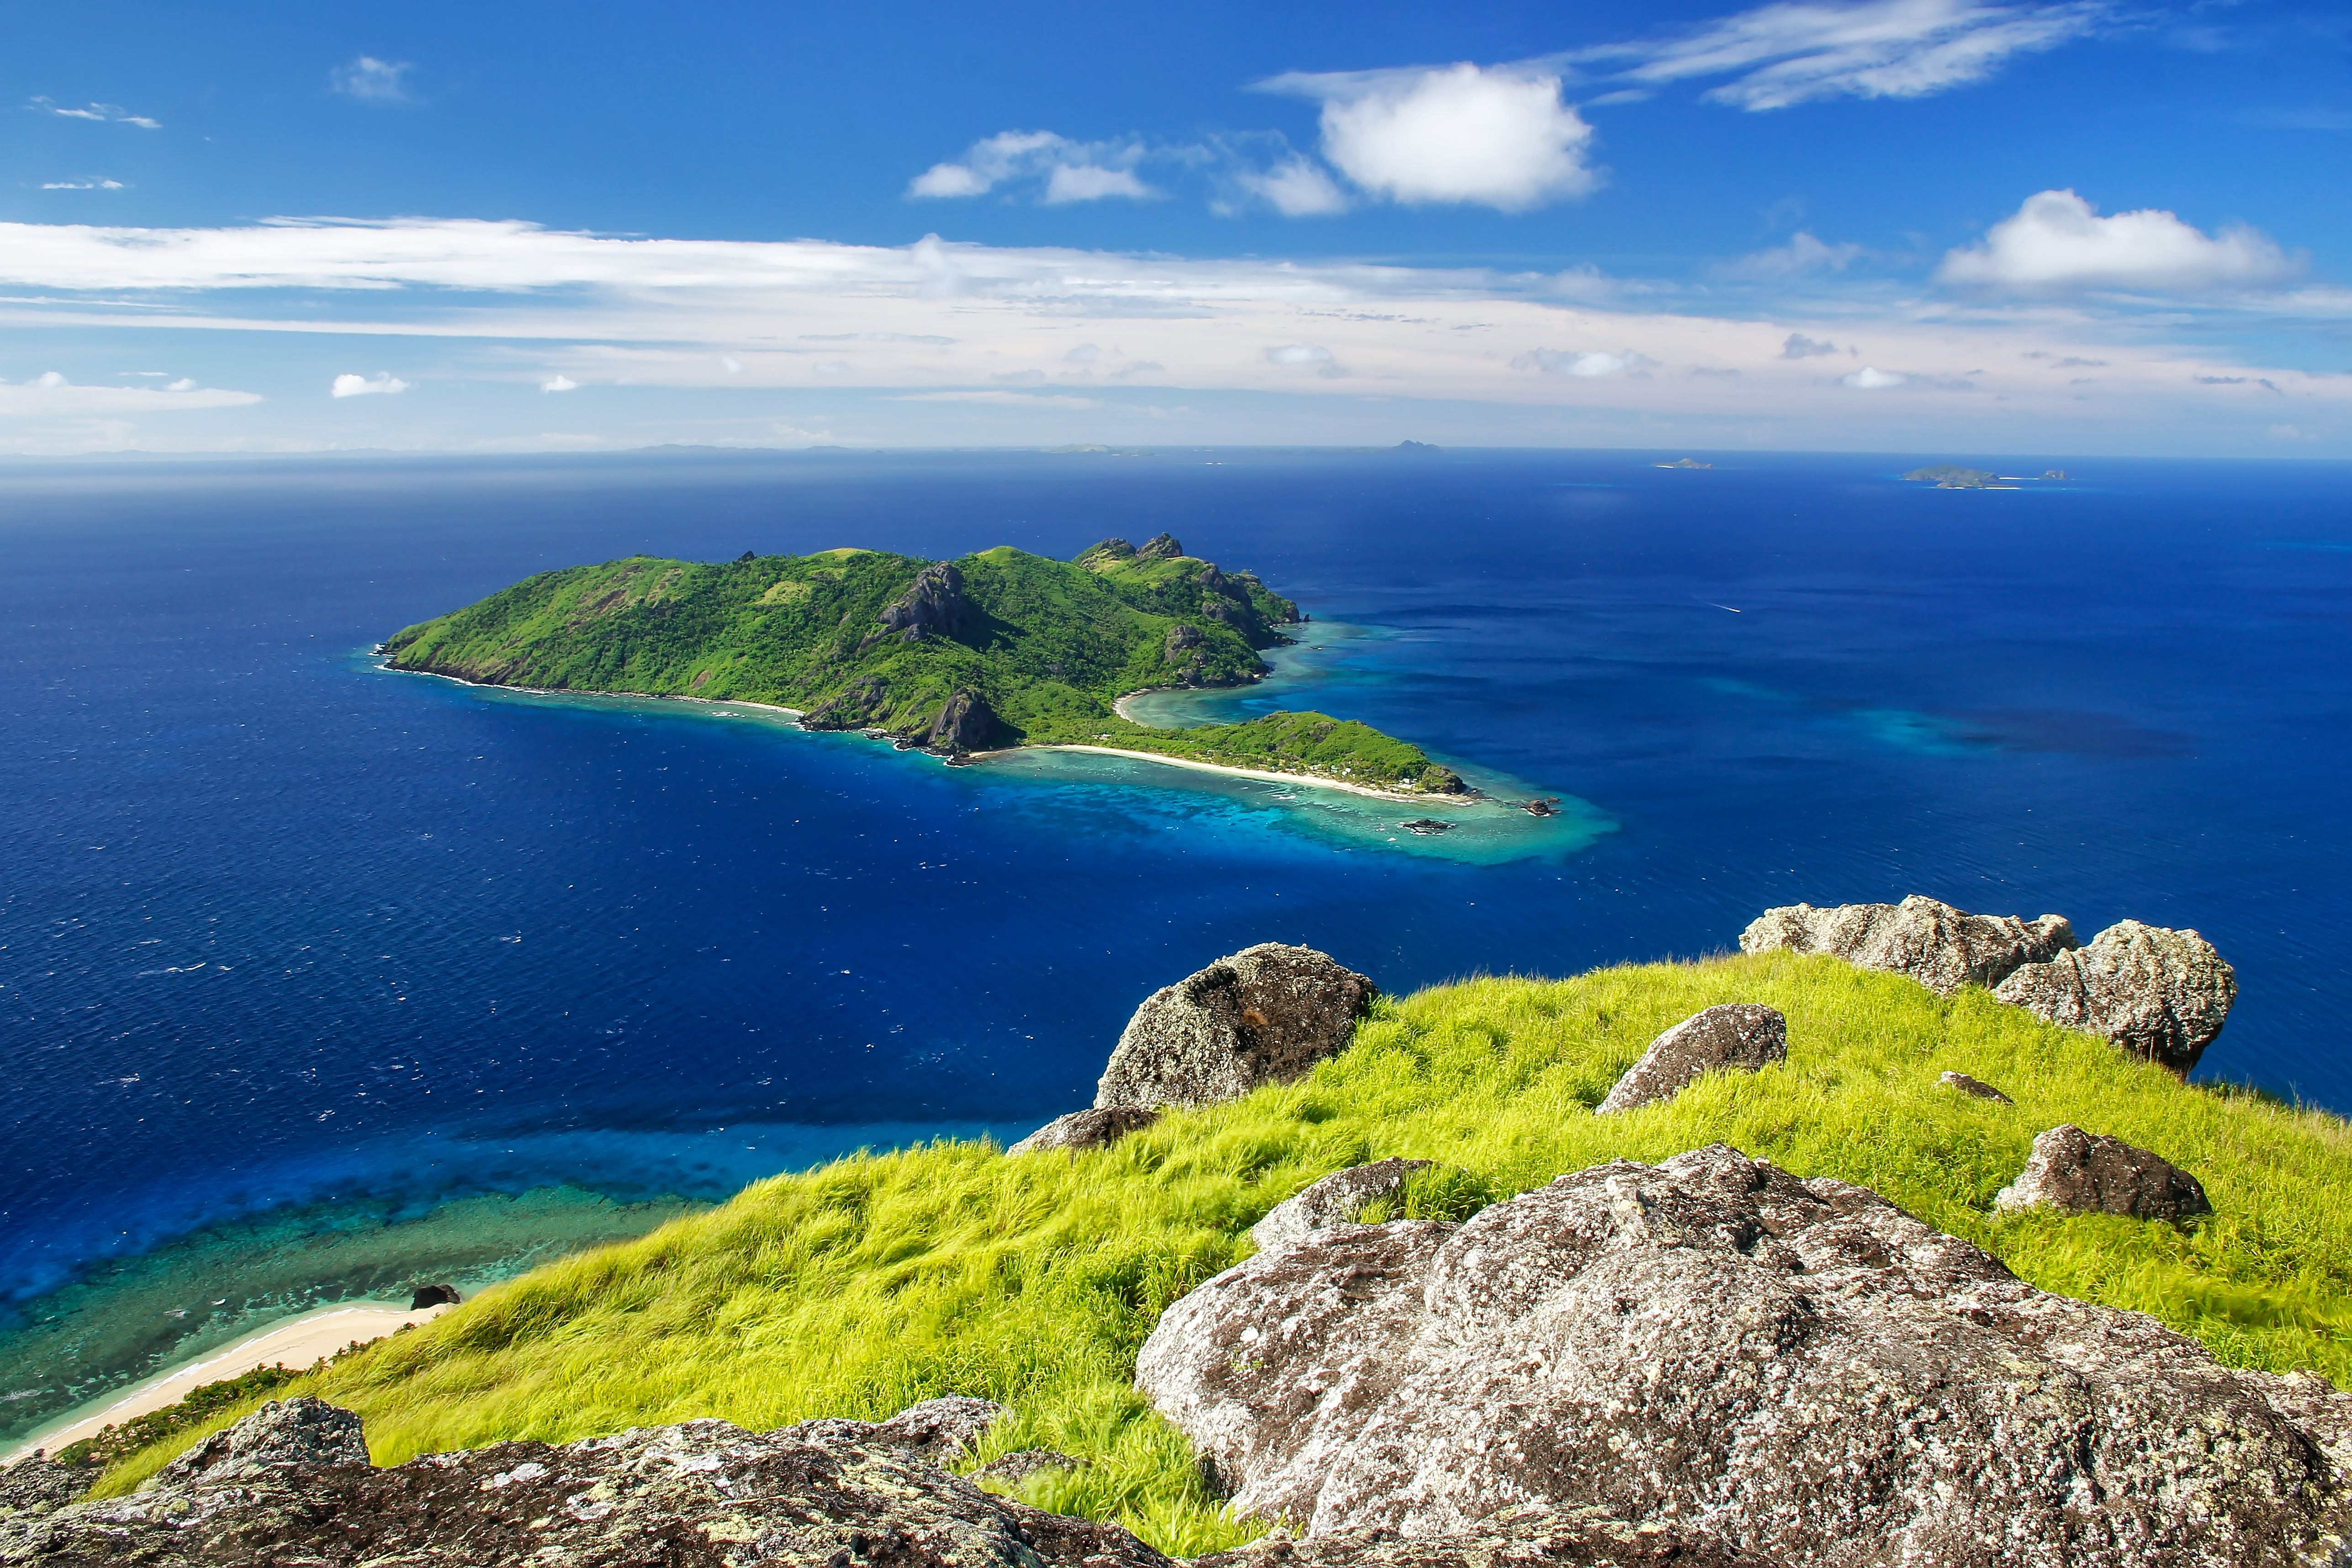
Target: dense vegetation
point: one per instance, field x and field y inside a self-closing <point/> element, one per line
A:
<point x="862" y="1286"/>
<point x="995" y="649"/>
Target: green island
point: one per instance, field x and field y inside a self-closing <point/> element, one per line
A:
<point x="990" y="651"/>
<point x="1950" y="477"/>
<point x="861" y="1286"/>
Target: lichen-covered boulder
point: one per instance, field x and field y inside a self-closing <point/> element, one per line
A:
<point x="1941" y="948"/>
<point x="1266" y="1014"/>
<point x="2159" y="993"/>
<point x="1741" y="1036"/>
<point x="1795" y="1368"/>
<point x="1517" y="1538"/>
<point x="939" y="1430"/>
<point x="1097" y="1128"/>
<point x="285" y="1434"/>
<point x="1337" y="1199"/>
<point x="38" y="1484"/>
<point x="2081" y="1173"/>
<point x="703" y="1494"/>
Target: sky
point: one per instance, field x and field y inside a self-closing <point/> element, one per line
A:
<point x="2078" y="227"/>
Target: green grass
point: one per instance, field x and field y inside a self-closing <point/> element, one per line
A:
<point x="868" y="1284"/>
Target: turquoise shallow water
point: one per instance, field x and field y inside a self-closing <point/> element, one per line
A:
<point x="284" y="935"/>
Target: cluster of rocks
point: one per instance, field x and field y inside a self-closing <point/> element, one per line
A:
<point x="2159" y="993"/>
<point x="1753" y="1369"/>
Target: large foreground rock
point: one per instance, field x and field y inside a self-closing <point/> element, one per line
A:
<point x="2159" y="993"/>
<point x="1741" y="1037"/>
<point x="1266" y="1014"/>
<point x="2077" y="1172"/>
<point x="1337" y="1199"/>
<point x="1795" y="1368"/>
<point x="704" y="1494"/>
<point x="1522" y="1538"/>
<point x="1941" y="948"/>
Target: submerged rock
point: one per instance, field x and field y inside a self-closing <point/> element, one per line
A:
<point x="1941" y="948"/>
<point x="1795" y="1369"/>
<point x="703" y="1494"/>
<point x="1738" y="1036"/>
<point x="1097" y="1128"/>
<point x="1337" y="1199"/>
<point x="1974" y="1089"/>
<point x="2159" y="993"/>
<point x="2082" y="1172"/>
<point x="1266" y="1014"/>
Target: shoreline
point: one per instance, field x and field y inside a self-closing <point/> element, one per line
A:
<point x="1315" y="780"/>
<point x="298" y="1342"/>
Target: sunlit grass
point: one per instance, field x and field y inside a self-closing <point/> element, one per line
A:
<point x="865" y="1285"/>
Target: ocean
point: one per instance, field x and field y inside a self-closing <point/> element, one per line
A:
<point x="317" y="980"/>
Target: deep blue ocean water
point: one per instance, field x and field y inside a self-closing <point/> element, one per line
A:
<point x="278" y="929"/>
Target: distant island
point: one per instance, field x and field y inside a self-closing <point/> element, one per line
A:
<point x="1683" y="463"/>
<point x="1951" y="476"/>
<point x="985" y="653"/>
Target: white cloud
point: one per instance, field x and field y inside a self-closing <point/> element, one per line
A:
<point x="1800" y="347"/>
<point x="1295" y="187"/>
<point x="1787" y="53"/>
<point x="556" y="383"/>
<point x="362" y="386"/>
<point x="110" y="113"/>
<point x="371" y="80"/>
<point x="51" y="394"/>
<point x="1870" y="378"/>
<point x="1587" y="363"/>
<point x="1072" y="171"/>
<point x="1803" y="256"/>
<point x="1088" y="182"/>
<point x="1299" y="354"/>
<point x="1497" y="137"/>
<point x="730" y="364"/>
<point x="2057" y="243"/>
<point x="90" y="184"/>
<point x="1084" y="354"/>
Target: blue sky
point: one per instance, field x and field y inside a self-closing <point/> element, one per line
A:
<point x="2071" y="227"/>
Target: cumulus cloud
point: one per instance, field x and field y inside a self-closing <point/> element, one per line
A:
<point x="1800" y="347"/>
<point x="371" y="80"/>
<point x="556" y="382"/>
<point x="1803" y="256"/>
<point x="1296" y="187"/>
<point x="363" y="386"/>
<point x="1588" y="364"/>
<point x="109" y="113"/>
<point x="1786" y="54"/>
<point x="1870" y="378"/>
<point x="1071" y="171"/>
<point x="2058" y="244"/>
<point x="1497" y="136"/>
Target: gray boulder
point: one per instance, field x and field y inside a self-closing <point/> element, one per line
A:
<point x="1975" y="1089"/>
<point x="2080" y="1173"/>
<point x="1941" y="948"/>
<point x="1093" y="1129"/>
<point x="2159" y="993"/>
<point x="1337" y="1199"/>
<point x="1740" y="1036"/>
<point x="38" y="1484"/>
<point x="1266" y="1014"/>
<point x="1018" y="1466"/>
<point x="1795" y="1368"/>
<point x="703" y="1494"/>
<point x="936" y="1430"/>
<point x="1517" y="1538"/>
<point x="285" y="1434"/>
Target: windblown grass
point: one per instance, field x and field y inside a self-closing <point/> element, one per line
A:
<point x="863" y="1286"/>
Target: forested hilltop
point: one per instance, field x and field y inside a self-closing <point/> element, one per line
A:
<point x="997" y="649"/>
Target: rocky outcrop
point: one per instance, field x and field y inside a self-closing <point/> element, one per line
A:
<point x="1794" y="1368"/>
<point x="2159" y="993"/>
<point x="283" y="1435"/>
<point x="1975" y="1089"/>
<point x="1517" y="1538"/>
<point x="434" y="1296"/>
<point x="933" y="605"/>
<point x="936" y="1430"/>
<point x="854" y="706"/>
<point x="965" y="723"/>
<point x="1737" y="1037"/>
<point x="1266" y="1014"/>
<point x="1014" y="1468"/>
<point x="2081" y="1173"/>
<point x="1159" y="547"/>
<point x="1180" y="637"/>
<point x="704" y="1494"/>
<point x="38" y="1484"/>
<point x="1941" y="948"/>
<point x="1097" y="1128"/>
<point x="1337" y="1199"/>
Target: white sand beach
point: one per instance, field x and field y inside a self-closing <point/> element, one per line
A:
<point x="294" y="1342"/>
<point x="1316" y="780"/>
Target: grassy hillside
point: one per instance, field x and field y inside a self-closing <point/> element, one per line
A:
<point x="1017" y="649"/>
<point x="860" y="1287"/>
